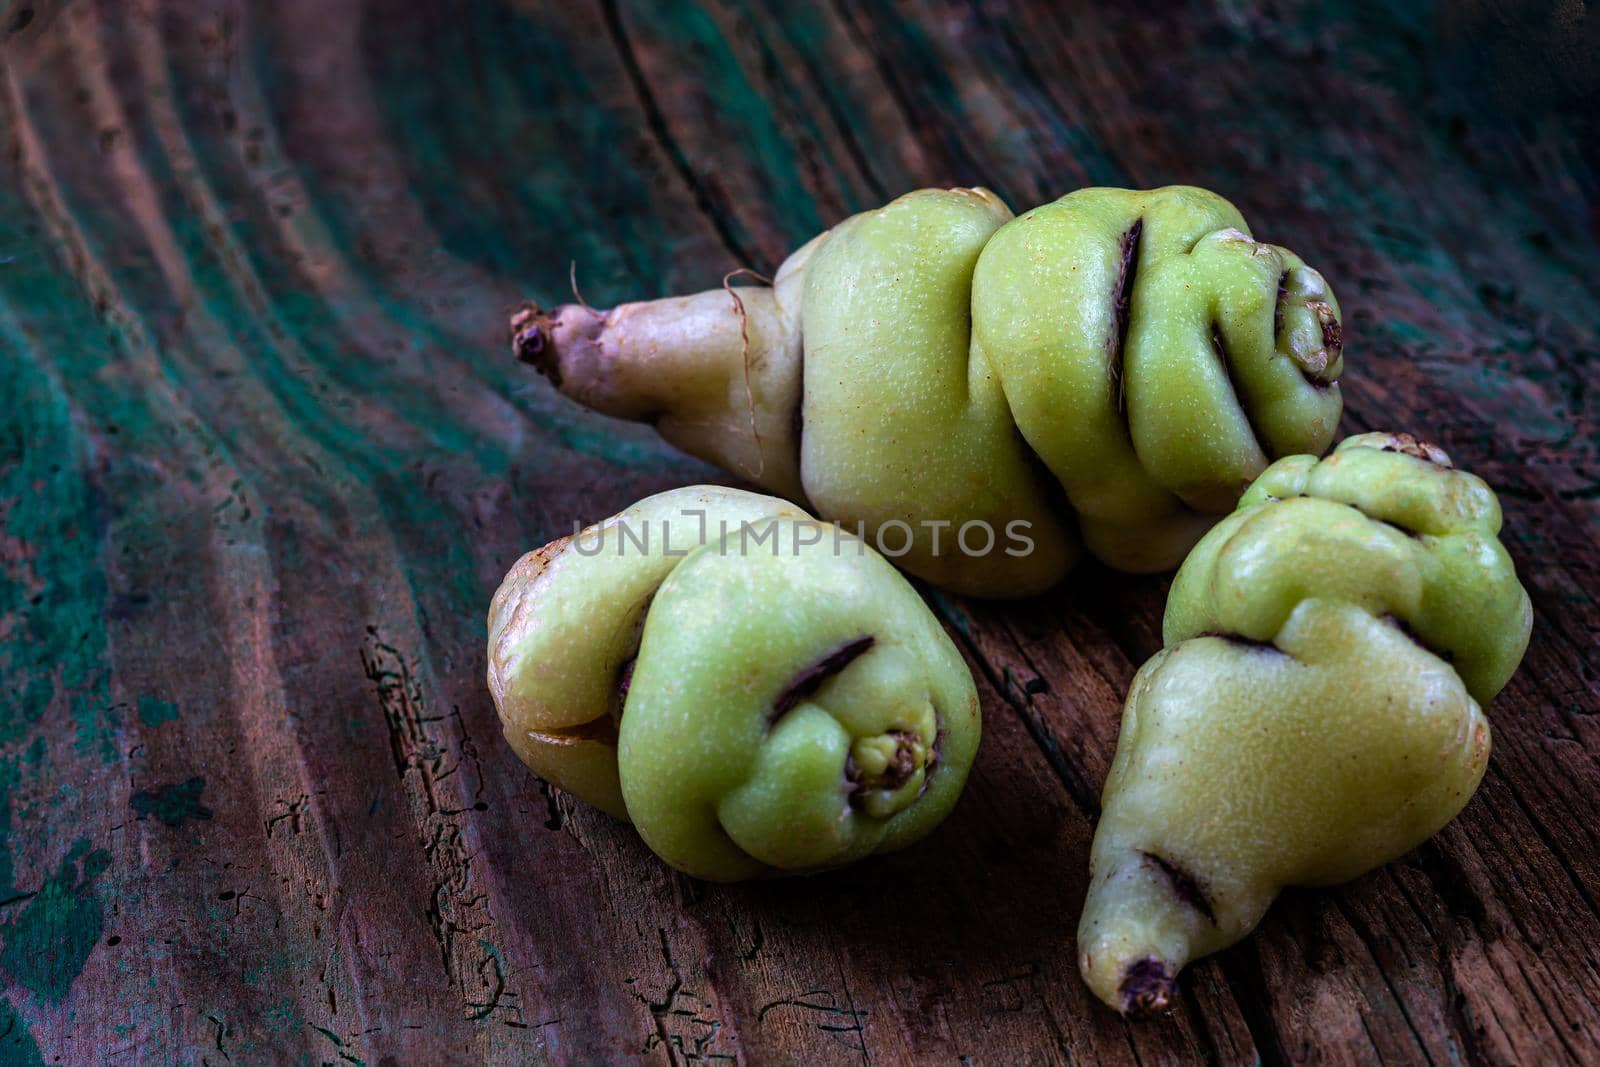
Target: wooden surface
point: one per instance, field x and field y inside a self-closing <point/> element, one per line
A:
<point x="263" y="458"/>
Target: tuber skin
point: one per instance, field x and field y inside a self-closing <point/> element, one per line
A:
<point x="1317" y="709"/>
<point x="781" y="704"/>
<point x="1116" y="367"/>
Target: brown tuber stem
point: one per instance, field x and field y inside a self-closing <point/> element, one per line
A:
<point x="530" y="336"/>
<point x="717" y="373"/>
<point x="563" y="345"/>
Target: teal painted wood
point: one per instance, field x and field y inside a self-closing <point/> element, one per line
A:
<point x="263" y="458"/>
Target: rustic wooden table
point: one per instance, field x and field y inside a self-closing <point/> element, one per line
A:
<point x="264" y="456"/>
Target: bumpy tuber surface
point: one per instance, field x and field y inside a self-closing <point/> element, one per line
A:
<point x="1117" y="363"/>
<point x="757" y="692"/>
<point x="1316" y="712"/>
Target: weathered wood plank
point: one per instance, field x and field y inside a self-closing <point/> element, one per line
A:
<point x="263" y="461"/>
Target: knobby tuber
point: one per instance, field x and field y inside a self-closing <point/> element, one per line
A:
<point x="1317" y="709"/>
<point x="1118" y="364"/>
<point x="757" y="692"/>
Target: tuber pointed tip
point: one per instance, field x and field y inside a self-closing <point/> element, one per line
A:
<point x="1147" y="988"/>
<point x="531" y="341"/>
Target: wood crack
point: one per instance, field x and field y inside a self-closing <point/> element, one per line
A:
<point x="656" y="122"/>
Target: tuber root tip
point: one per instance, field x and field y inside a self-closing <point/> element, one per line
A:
<point x="1147" y="988"/>
<point x="531" y="340"/>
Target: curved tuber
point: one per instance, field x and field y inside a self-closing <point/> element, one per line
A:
<point x="1317" y="709"/>
<point x="1117" y="365"/>
<point x="757" y="692"/>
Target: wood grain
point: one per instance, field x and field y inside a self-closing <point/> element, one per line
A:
<point x="263" y="459"/>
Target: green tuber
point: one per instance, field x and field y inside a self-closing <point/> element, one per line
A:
<point x="1317" y="709"/>
<point x="756" y="691"/>
<point x="1118" y="364"/>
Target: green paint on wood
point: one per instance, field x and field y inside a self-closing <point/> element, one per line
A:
<point x="47" y="945"/>
<point x="153" y="712"/>
<point x="17" y="1046"/>
<point x="572" y="198"/>
<point x="9" y="779"/>
<point x="172" y="805"/>
<point x="741" y="114"/>
<point x="52" y="513"/>
<point x="50" y="583"/>
<point x="1406" y="333"/>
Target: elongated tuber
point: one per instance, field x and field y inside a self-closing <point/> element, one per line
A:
<point x="1317" y="710"/>
<point x="757" y="692"/>
<point x="1117" y="363"/>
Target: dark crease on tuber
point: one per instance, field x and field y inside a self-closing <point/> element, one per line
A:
<point x="799" y="422"/>
<point x="625" y="679"/>
<point x="1121" y="304"/>
<point x="602" y="729"/>
<point x="810" y="680"/>
<point x="1247" y="642"/>
<point x="1417" y="639"/>
<point x="1184" y="885"/>
<point x="1277" y="309"/>
<point x="1408" y="531"/>
<point x="1226" y="360"/>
